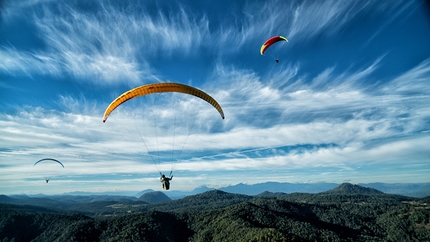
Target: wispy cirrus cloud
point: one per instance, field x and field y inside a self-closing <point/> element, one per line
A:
<point x="414" y="81"/>
<point x="25" y="63"/>
<point x="108" y="45"/>
<point x="338" y="102"/>
<point x="341" y="122"/>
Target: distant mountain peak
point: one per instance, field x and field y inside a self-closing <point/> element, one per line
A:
<point x="269" y="194"/>
<point x="154" y="197"/>
<point x="202" y="189"/>
<point x="5" y="199"/>
<point x="139" y="194"/>
<point x="214" y="195"/>
<point x="348" y="188"/>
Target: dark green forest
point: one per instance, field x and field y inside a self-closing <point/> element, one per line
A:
<point x="344" y="214"/>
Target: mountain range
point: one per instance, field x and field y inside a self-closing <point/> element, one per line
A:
<point x="344" y="213"/>
<point x="417" y="190"/>
<point x="90" y="204"/>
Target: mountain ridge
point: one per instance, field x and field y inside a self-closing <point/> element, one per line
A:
<point x="418" y="190"/>
<point x="348" y="188"/>
<point x="350" y="213"/>
<point x="154" y="197"/>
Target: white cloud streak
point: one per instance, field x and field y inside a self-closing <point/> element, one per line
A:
<point x="107" y="46"/>
<point x="363" y="127"/>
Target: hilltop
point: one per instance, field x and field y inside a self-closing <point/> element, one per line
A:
<point x="154" y="197"/>
<point x="348" y="189"/>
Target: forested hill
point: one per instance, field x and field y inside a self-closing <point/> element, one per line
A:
<point x="153" y="197"/>
<point x="348" y="188"/>
<point x="221" y="216"/>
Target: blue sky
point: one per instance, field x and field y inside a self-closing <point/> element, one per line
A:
<point x="348" y="100"/>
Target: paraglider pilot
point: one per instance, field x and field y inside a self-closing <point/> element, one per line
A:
<point x="165" y="181"/>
